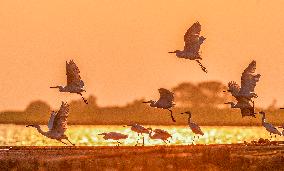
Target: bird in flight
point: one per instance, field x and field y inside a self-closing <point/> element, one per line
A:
<point x="74" y="81"/>
<point x="245" y="93"/>
<point x="165" y="101"/>
<point x="57" y="124"/>
<point x="192" y="43"/>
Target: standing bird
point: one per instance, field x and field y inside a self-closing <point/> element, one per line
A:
<point x="74" y="81"/>
<point x="192" y="42"/>
<point x="245" y="93"/>
<point x="193" y="126"/>
<point x="160" y="134"/>
<point x="268" y="126"/>
<point x="165" y="101"/>
<point x="57" y="124"/>
<point x="139" y="129"/>
<point x="114" y="136"/>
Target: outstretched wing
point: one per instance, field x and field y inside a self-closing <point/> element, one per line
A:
<point x="234" y="88"/>
<point x="51" y="120"/>
<point x="73" y="74"/>
<point x="249" y="79"/>
<point x="166" y="97"/>
<point x="60" y="120"/>
<point x="192" y="41"/>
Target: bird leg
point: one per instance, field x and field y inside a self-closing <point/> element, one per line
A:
<point x="143" y="141"/>
<point x="165" y="141"/>
<point x="85" y="101"/>
<point x="173" y="119"/>
<point x="63" y="142"/>
<point x="70" y="141"/>
<point x="202" y="67"/>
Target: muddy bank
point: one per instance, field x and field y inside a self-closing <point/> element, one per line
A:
<point x="192" y="157"/>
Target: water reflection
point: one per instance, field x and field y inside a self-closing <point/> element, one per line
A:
<point x="88" y="135"/>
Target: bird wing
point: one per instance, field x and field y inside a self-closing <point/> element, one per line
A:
<point x="234" y="88"/>
<point x="249" y="79"/>
<point x="60" y="120"/>
<point x="243" y="103"/>
<point x="160" y="131"/>
<point x="73" y="74"/>
<point x="191" y="38"/>
<point x="166" y="97"/>
<point x="51" y="120"/>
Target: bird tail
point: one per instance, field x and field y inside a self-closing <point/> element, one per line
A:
<point x="202" y="67"/>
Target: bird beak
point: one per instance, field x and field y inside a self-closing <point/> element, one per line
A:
<point x="282" y="108"/>
<point x="54" y="87"/>
<point x="146" y="102"/>
<point x="29" y="125"/>
<point x="171" y="52"/>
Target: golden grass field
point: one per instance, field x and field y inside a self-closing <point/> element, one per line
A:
<point x="192" y="157"/>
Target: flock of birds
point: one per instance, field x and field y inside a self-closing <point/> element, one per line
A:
<point x="57" y="123"/>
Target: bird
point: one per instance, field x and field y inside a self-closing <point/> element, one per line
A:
<point x="159" y="134"/>
<point x="245" y="93"/>
<point x="193" y="126"/>
<point x="248" y="83"/>
<point x="268" y="126"/>
<point x="74" y="81"/>
<point x="244" y="105"/>
<point x="165" y="101"/>
<point x="139" y="129"/>
<point x="192" y="43"/>
<point x="114" y="136"/>
<point x="57" y="125"/>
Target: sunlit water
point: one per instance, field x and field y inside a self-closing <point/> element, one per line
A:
<point x="87" y="135"/>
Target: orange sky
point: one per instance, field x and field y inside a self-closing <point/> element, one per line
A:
<point x="121" y="47"/>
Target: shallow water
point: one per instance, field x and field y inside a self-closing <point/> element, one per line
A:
<point x="87" y="135"/>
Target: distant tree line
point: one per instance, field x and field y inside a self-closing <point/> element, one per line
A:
<point x="205" y="100"/>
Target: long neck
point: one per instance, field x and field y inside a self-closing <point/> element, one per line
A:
<point x="188" y="120"/>
<point x="40" y="130"/>
<point x="263" y="118"/>
<point x="150" y="133"/>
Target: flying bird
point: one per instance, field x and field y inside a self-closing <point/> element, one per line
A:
<point x="165" y="101"/>
<point x="114" y="136"/>
<point x="245" y="93"/>
<point x="193" y="126"/>
<point x="57" y="124"/>
<point x="245" y="106"/>
<point x="268" y="126"/>
<point x="248" y="83"/>
<point x="159" y="134"/>
<point x="74" y="81"/>
<point x="139" y="129"/>
<point x="192" y="43"/>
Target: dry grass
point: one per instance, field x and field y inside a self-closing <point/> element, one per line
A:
<point x="198" y="157"/>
